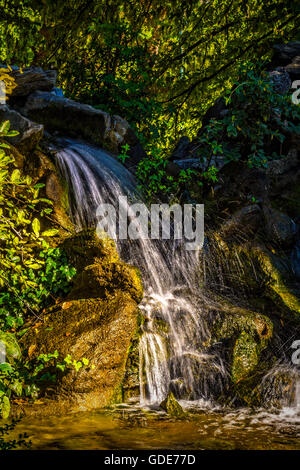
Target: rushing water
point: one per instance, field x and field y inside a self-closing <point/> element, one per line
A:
<point x="175" y="328"/>
<point x="172" y="347"/>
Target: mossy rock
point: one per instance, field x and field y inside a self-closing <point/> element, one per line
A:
<point x="245" y="357"/>
<point x="234" y="320"/>
<point x="98" y="330"/>
<point x="102" y="279"/>
<point x="100" y="271"/>
<point x="86" y="248"/>
<point x="288" y="298"/>
<point x="97" y="321"/>
<point x="131" y="383"/>
<point x="171" y="406"/>
<point x="246" y="335"/>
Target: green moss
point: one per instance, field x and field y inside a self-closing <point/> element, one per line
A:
<point x="171" y="406"/>
<point x="277" y="288"/>
<point x="234" y="320"/>
<point x="131" y="383"/>
<point x="117" y="396"/>
<point x="245" y="357"/>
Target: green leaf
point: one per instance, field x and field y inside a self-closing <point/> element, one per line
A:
<point x="50" y="233"/>
<point x="5" y="407"/>
<point x="15" y="176"/>
<point x="36" y="227"/>
<point x="4" y="127"/>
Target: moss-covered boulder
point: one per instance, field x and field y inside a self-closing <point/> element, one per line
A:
<point x="245" y="356"/>
<point x="243" y="337"/>
<point x="281" y="288"/>
<point x="171" y="406"/>
<point x="97" y="321"/>
<point x="102" y="279"/>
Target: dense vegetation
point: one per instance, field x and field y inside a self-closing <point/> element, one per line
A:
<point x="160" y="65"/>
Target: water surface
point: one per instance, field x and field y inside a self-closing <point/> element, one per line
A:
<point x="130" y="427"/>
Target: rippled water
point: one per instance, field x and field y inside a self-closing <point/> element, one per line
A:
<point x="131" y="427"/>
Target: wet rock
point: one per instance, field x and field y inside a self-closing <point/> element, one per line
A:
<point x="279" y="227"/>
<point x="31" y="79"/>
<point x="30" y="133"/>
<point x="278" y="387"/>
<point x="245" y="357"/>
<point x="171" y="406"/>
<point x="99" y="329"/>
<point x="281" y="80"/>
<point x="281" y="287"/>
<point x="248" y="333"/>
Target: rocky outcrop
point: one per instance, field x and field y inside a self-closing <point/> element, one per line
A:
<point x="78" y="120"/>
<point x="30" y="133"/>
<point x="97" y="325"/>
<point x="30" y="79"/>
<point x="249" y="334"/>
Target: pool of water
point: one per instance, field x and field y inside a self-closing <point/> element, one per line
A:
<point x="131" y="427"/>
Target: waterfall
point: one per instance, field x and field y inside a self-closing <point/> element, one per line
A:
<point x="174" y="331"/>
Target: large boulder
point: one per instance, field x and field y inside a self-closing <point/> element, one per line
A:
<point x="82" y="121"/>
<point x="30" y="79"/>
<point x="282" y="287"/>
<point x="96" y="325"/>
<point x="245" y="336"/>
<point x="30" y="133"/>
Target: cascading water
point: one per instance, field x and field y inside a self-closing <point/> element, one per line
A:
<point x="174" y="331"/>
